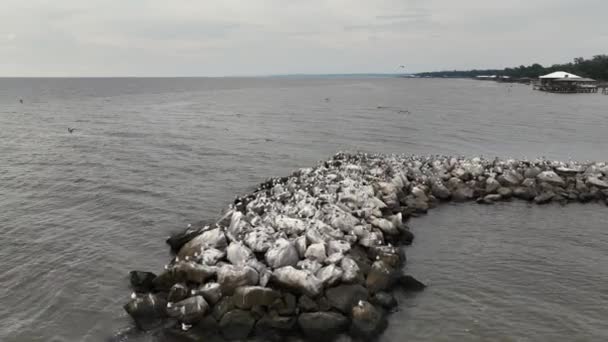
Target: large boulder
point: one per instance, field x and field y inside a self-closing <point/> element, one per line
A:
<point x="193" y="272"/>
<point x="299" y="280"/>
<point x="246" y="297"/>
<point x="322" y="325"/>
<point x="148" y="311"/>
<point x="238" y="254"/>
<point x="380" y="277"/>
<point x="212" y="292"/>
<point x="237" y="324"/>
<point x="316" y="252"/>
<point x="595" y="181"/>
<point x="213" y="238"/>
<point x="283" y="253"/>
<point x="385" y="300"/>
<point x="367" y="321"/>
<point x="344" y="297"/>
<point x="350" y="270"/>
<point x="178" y="292"/>
<point x="551" y="178"/>
<point x="189" y="310"/>
<point x="231" y="277"/>
<point x="329" y="275"/>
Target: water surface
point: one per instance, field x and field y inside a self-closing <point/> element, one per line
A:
<point x="79" y="211"/>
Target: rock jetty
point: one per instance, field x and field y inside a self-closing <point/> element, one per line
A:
<point x="317" y="254"/>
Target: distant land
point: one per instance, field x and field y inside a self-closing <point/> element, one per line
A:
<point x="595" y="67"/>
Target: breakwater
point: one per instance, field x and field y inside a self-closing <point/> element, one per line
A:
<point x="317" y="253"/>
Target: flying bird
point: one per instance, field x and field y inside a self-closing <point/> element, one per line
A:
<point x="71" y="130"/>
<point x="21" y="101"/>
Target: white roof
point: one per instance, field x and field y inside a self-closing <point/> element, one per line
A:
<point x="560" y="74"/>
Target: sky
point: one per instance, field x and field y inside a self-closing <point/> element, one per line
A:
<point x="101" y="38"/>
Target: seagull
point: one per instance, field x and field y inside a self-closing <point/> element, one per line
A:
<point x="21" y="101"/>
<point x="71" y="130"/>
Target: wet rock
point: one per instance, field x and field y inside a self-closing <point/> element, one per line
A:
<point x="344" y="297"/>
<point x="230" y="277"/>
<point x="224" y="305"/>
<point x="492" y="185"/>
<point x="148" y="311"/>
<point x="388" y="254"/>
<point x="316" y="252"/>
<point x="285" y="306"/>
<point x="248" y="296"/>
<point x="236" y="324"/>
<point x="298" y="280"/>
<point x="213" y="238"/>
<point x="141" y="281"/>
<point x="524" y="193"/>
<point x="489" y="199"/>
<point x="440" y="191"/>
<point x="367" y="321"/>
<point x="322" y="325"/>
<point x="177" y="293"/>
<point x="212" y="292"/>
<point x="193" y="272"/>
<point x="544" y="197"/>
<point x="505" y="193"/>
<point x="409" y="283"/>
<point x="385" y="226"/>
<point x="306" y="304"/>
<point x="189" y="310"/>
<point x="269" y="325"/>
<point x="551" y="178"/>
<point x="329" y="275"/>
<point x="462" y="194"/>
<point x="385" y="300"/>
<point x="283" y="253"/>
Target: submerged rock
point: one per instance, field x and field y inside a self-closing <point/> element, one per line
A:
<point x="367" y="321"/>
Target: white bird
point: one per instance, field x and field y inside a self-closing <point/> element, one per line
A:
<point x="133" y="295"/>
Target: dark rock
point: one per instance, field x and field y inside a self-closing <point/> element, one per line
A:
<point x="323" y="304"/>
<point x="380" y="277"/>
<point x="306" y="304"/>
<point x="212" y="292"/>
<point x="164" y="281"/>
<point x="406" y="237"/>
<point x="544" y="197"/>
<point x="285" y="305"/>
<point x="193" y="272"/>
<point x="322" y="325"/>
<point x="178" y="292"/>
<point x="510" y="178"/>
<point x="440" y="191"/>
<point x="524" y="193"/>
<point x="359" y="255"/>
<point x="409" y="283"/>
<point x="141" y="281"/>
<point x="505" y="193"/>
<point x="189" y="310"/>
<point x="367" y="321"/>
<point x="276" y="322"/>
<point x="343" y="297"/>
<point x="385" y="300"/>
<point x="248" y="296"/>
<point x="462" y="194"/>
<point x="224" y="305"/>
<point x="231" y="277"/>
<point x="176" y="241"/>
<point x="236" y="324"/>
<point x="390" y="255"/>
<point x="148" y="311"/>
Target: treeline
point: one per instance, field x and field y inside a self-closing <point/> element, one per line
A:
<point x="596" y="68"/>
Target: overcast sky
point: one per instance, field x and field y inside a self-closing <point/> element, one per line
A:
<point x="259" y="37"/>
